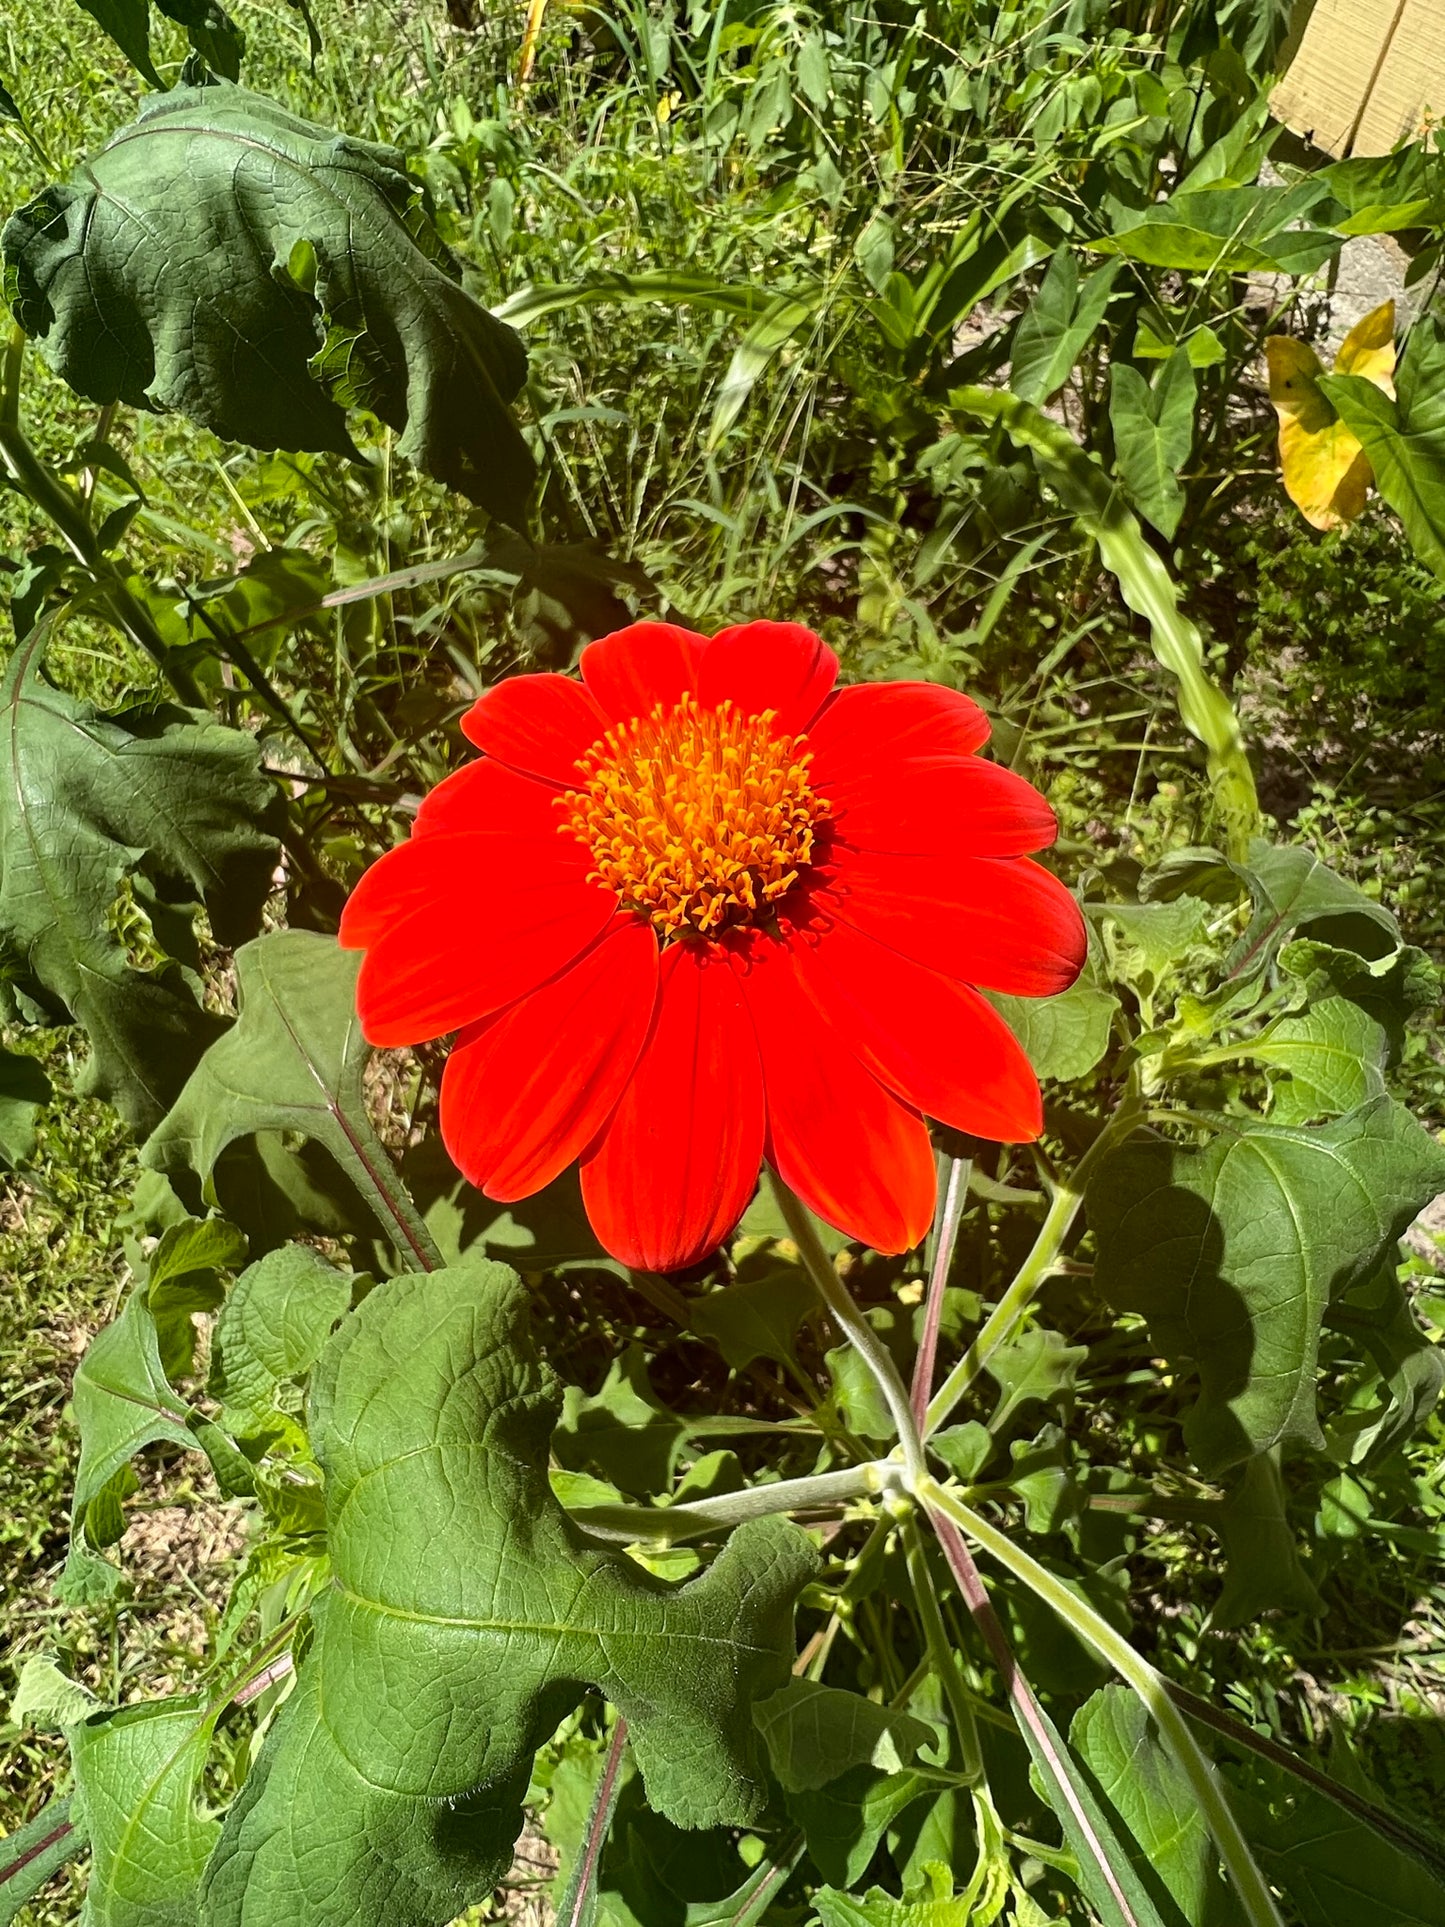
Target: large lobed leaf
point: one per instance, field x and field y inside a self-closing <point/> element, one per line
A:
<point x="1234" y="1253"/>
<point x="465" y="1617"/>
<point x="261" y="274"/>
<point x="156" y="799"/>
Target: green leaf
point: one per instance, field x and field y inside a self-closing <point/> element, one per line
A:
<point x="138" y="1779"/>
<point x="1389" y="989"/>
<point x="1156" y="1809"/>
<point x="757" y="1319"/>
<point x="197" y="259"/>
<point x="1332" y="1056"/>
<point x="1411" y="1369"/>
<point x="843" y="1821"/>
<point x="181" y="1279"/>
<point x="1153" y="434"/>
<point x="1057" y="326"/>
<point x="122" y="1402"/>
<point x="772" y="331"/>
<point x="1037" y="1365"/>
<point x="1156" y="937"/>
<point x="814" y="1733"/>
<point x="623" y="1430"/>
<point x="465" y="1617"/>
<point x="1292" y="890"/>
<point x="1231" y="230"/>
<point x="49" y="1699"/>
<point x="965" y="1449"/>
<point x="1409" y="466"/>
<point x="1064" y="1037"/>
<point x="1234" y="1252"/>
<point x="91" y="802"/>
<point x="24" y="1091"/>
<point x="35" y="1853"/>
<point x="293" y="1062"/>
<point x="1263" y="1569"/>
<point x="128" y="24"/>
<point x="1331" y="1865"/>
<point x="278" y="1316"/>
<point x="879" y="1909"/>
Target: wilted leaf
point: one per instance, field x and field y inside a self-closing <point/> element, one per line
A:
<point x="1327" y="473"/>
<point x="814" y="1733"/>
<point x="465" y="1605"/>
<point x="224" y="258"/>
<point x="1234" y="1252"/>
<point x="91" y="801"/>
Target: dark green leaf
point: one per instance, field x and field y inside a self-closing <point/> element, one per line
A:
<point x="24" y="1090"/>
<point x="965" y="1449"/>
<point x="197" y="259"/>
<point x="293" y="1062"/>
<point x="1292" y="891"/>
<point x="1037" y="1365"/>
<point x="181" y="1279"/>
<point x="1411" y="1369"/>
<point x="1409" y="465"/>
<point x="843" y="1821"/>
<point x="128" y="24"/>
<point x="1157" y="1810"/>
<point x="1332" y="1055"/>
<point x="814" y="1733"/>
<point x="1234" y="1252"/>
<point x="1057" y="326"/>
<point x="758" y="1319"/>
<point x="1263" y="1569"/>
<point x="1153" y="434"/>
<point x="92" y="801"/>
<point x="624" y="1430"/>
<point x="1232" y="230"/>
<point x="463" y="1599"/>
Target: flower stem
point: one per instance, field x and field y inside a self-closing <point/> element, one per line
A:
<point x="634" y="1524"/>
<point x="1040" y="1264"/>
<point x="853" y="1325"/>
<point x="955" y="1199"/>
<point x="1135" y="1670"/>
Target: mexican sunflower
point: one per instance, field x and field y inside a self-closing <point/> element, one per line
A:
<point x="701" y="908"/>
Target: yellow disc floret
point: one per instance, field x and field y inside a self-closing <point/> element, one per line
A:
<point x="700" y="818"/>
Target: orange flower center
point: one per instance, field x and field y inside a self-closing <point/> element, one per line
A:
<point x="700" y="818"/>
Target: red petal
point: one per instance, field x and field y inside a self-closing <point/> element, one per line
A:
<point x="891" y="719"/>
<point x="1003" y="922"/>
<point x="541" y="724"/>
<point x="935" y="1042"/>
<point x="942" y="809"/>
<point x="527" y="1091"/>
<point x="850" y="1150"/>
<point x="636" y="668"/>
<point x="768" y="665"/>
<point x="486" y="796"/>
<point x="678" y="1162"/>
<point x="456" y="926"/>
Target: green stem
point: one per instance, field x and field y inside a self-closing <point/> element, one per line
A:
<point x="1135" y="1670"/>
<point x="945" y="1664"/>
<point x="1040" y="1264"/>
<point x="631" y="1524"/>
<point x="853" y="1325"/>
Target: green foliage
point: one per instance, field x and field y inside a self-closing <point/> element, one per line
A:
<point x="462" y="1595"/>
<point x="169" y="805"/>
<point x="284" y="274"/>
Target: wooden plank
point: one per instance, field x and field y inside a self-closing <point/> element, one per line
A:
<point x="1325" y="93"/>
<point x="1409" y="89"/>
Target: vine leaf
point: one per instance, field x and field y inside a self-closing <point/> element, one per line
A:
<point x="293" y="1062"/>
<point x="138" y="1776"/>
<point x="156" y="800"/>
<point x="222" y="257"/>
<point x="1234" y="1253"/>
<point x="24" y="1089"/>
<point x="465" y="1616"/>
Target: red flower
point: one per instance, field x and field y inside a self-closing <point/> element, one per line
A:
<point x="678" y="935"/>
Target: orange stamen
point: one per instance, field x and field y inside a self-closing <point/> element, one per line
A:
<point x="700" y="818"/>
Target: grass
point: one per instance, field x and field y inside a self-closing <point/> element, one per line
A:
<point x="805" y="506"/>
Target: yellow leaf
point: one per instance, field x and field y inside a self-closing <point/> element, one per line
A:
<point x="1326" y="472"/>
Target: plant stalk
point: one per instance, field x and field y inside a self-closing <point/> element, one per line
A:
<point x="631" y="1524"/>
